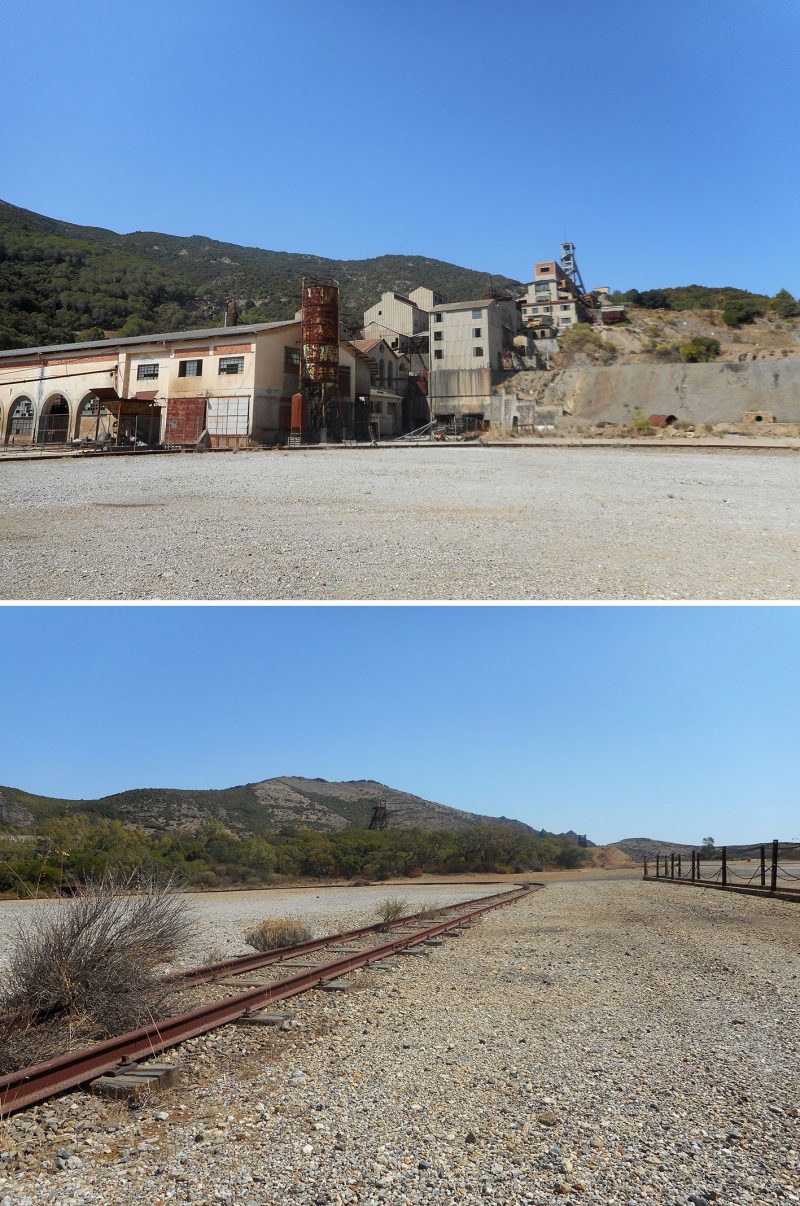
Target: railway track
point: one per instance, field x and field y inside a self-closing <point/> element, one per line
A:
<point x="29" y="1086"/>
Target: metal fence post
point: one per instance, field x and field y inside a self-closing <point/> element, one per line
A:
<point x="773" y="877"/>
<point x="763" y="866"/>
<point x="724" y="865"/>
<point x="680" y="872"/>
<point x="672" y="866"/>
<point x="693" y="866"/>
<point x="658" y="866"/>
<point x="644" y="876"/>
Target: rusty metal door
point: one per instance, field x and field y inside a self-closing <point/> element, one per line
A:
<point x="186" y="420"/>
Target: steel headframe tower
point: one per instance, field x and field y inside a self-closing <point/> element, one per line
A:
<point x="570" y="265"/>
<point x="319" y="370"/>
<point x="380" y="816"/>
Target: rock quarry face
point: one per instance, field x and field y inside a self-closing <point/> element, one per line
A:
<point x="695" y="393"/>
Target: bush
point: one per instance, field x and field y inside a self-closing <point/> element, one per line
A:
<point x="741" y="310"/>
<point x="701" y="348"/>
<point x="90" y="966"/>
<point x="583" y="338"/>
<point x="391" y="909"/>
<point x="276" y="932"/>
<point x="641" y="422"/>
<point x="785" y="305"/>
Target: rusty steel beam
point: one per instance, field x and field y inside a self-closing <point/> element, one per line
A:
<point x="27" y="1086"/>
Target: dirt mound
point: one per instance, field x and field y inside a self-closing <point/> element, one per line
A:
<point x="611" y="857"/>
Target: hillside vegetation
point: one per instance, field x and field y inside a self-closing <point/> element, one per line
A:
<point x="70" y="850"/>
<point x="283" y="804"/>
<point x="61" y="283"/>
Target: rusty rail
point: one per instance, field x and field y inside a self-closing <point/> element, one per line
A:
<point x="774" y="879"/>
<point x="27" y="1086"/>
<point x="245" y="963"/>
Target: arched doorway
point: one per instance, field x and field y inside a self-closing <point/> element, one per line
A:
<point x="53" y="425"/>
<point x="92" y="421"/>
<point x="19" y="427"/>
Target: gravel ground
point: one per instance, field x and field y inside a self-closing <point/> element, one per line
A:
<point x="609" y="1043"/>
<point x="444" y="523"/>
<point x="222" y="917"/>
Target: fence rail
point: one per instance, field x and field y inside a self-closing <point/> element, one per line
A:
<point x="776" y="871"/>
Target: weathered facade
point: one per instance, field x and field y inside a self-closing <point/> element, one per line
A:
<point x="235" y="383"/>
<point x="552" y="300"/>
<point x="396" y="319"/>
<point x="472" y="349"/>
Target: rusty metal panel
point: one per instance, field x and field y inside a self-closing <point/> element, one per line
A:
<point x="186" y="420"/>
<point x="320" y="309"/>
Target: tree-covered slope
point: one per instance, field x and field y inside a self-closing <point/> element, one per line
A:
<point x="270" y="806"/>
<point x="60" y="282"/>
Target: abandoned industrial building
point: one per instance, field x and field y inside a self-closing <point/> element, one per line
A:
<point x="419" y="361"/>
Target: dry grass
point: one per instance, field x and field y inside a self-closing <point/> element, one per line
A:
<point x="276" y="932"/>
<point x="391" y="908"/>
<point x="90" y="966"/>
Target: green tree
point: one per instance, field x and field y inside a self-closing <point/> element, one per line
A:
<point x="784" y="305"/>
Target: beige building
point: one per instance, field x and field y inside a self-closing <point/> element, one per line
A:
<point x="236" y="383"/>
<point x="552" y="301"/>
<point x="389" y="377"/>
<point x="396" y="319"/>
<point x="473" y="345"/>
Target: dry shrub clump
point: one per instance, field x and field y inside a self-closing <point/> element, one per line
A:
<point x="278" y="931"/>
<point x="391" y="908"/>
<point x="91" y="966"/>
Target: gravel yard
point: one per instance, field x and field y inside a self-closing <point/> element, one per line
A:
<point x="608" y="1043"/>
<point x="222" y="917"/>
<point x="417" y="523"/>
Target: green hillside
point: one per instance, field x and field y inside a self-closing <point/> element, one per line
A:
<point x="61" y="283"/>
<point x="273" y="805"/>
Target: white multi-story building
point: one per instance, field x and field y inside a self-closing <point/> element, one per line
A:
<point x="471" y="348"/>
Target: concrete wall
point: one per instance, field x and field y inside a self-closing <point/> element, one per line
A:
<point x="697" y="393"/>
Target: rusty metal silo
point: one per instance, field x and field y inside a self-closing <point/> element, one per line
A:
<point x="320" y="368"/>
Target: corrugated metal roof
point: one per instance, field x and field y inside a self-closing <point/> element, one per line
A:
<point x="167" y="337"/>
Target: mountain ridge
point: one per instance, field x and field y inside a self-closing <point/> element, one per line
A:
<point x="62" y="282"/>
<point x="284" y="802"/>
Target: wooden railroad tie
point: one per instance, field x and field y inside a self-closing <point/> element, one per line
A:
<point x="133" y="1080"/>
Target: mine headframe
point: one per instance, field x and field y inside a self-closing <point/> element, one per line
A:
<point x="380" y="816"/>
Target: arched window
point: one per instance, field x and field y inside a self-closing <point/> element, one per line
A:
<point x="20" y="420"/>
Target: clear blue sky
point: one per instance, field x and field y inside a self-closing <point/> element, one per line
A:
<point x="659" y="137"/>
<point x="665" y="722"/>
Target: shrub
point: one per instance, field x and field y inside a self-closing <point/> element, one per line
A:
<point x="700" y="348"/>
<point x="742" y="310"/>
<point x="391" y="908"/>
<point x="90" y="966"/>
<point x="276" y="932"/>
<point x="641" y="422"/>
<point x="583" y="338"/>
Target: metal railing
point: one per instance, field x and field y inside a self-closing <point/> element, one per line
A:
<point x="772" y="869"/>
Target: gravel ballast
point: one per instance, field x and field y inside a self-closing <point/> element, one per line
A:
<point x="419" y="523"/>
<point x="612" y="1043"/>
